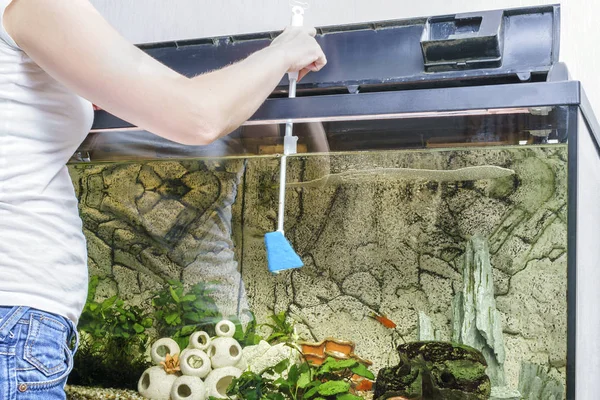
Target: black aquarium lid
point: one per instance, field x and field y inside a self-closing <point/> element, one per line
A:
<point x="488" y="44"/>
<point x="479" y="48"/>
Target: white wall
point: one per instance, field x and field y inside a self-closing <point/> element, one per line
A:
<point x="159" y="20"/>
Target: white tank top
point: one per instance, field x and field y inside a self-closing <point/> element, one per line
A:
<point x="43" y="260"/>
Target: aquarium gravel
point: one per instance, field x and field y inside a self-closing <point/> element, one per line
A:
<point x="89" y="393"/>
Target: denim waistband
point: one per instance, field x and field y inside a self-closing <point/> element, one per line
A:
<point x="6" y="310"/>
<point x="10" y="319"/>
<point x="21" y="315"/>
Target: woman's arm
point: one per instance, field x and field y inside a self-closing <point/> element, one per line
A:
<point x="71" y="41"/>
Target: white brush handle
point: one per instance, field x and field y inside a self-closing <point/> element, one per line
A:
<point x="282" y="179"/>
<point x="289" y="141"/>
<point x="297" y="20"/>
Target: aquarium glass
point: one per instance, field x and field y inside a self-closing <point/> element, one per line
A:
<point x="588" y="256"/>
<point x="450" y="229"/>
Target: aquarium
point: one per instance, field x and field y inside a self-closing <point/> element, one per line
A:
<point x="447" y="234"/>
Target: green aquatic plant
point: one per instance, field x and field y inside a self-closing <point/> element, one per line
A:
<point x="113" y="318"/>
<point x="113" y="339"/>
<point x="249" y="336"/>
<point x="178" y="314"/>
<point x="329" y="381"/>
<point x="281" y="329"/>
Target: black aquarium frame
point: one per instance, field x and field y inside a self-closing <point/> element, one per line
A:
<point x="352" y="88"/>
<point x="393" y="104"/>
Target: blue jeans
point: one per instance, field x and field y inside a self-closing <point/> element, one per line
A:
<point x="36" y="354"/>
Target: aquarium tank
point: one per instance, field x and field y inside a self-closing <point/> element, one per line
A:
<point x="441" y="202"/>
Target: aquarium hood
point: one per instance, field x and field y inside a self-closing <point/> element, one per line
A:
<point x="393" y="75"/>
<point x="461" y="50"/>
<point x="479" y="79"/>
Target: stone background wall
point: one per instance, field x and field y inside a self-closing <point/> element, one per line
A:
<point x="147" y="223"/>
<point x="383" y="242"/>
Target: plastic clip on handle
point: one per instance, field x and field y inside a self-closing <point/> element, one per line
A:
<point x="289" y="141"/>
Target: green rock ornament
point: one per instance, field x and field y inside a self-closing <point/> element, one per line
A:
<point x="435" y="370"/>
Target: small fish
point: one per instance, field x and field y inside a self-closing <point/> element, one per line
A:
<point x="383" y="320"/>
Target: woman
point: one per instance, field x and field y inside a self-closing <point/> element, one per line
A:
<point x="52" y="52"/>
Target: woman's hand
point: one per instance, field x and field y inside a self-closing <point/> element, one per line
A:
<point x="300" y="50"/>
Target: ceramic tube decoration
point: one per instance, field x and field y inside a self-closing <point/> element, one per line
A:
<point x="194" y="362"/>
<point x="199" y="340"/>
<point x="156" y="384"/>
<point x="225" y="328"/>
<point x="188" y="388"/>
<point x="161" y="347"/>
<point x="219" y="379"/>
<point x="224" y="352"/>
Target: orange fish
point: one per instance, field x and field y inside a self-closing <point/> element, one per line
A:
<point x="383" y="320"/>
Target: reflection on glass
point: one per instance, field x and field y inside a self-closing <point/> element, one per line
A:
<point x="440" y="242"/>
<point x="434" y="130"/>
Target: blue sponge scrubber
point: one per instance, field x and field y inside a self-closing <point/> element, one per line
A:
<point x="280" y="254"/>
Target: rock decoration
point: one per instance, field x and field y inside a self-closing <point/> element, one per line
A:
<point x="262" y="356"/>
<point x="476" y="320"/>
<point x="426" y="329"/>
<point x="317" y="353"/>
<point x="506" y="393"/>
<point x="179" y="374"/>
<point x="535" y="383"/>
<point x="435" y="370"/>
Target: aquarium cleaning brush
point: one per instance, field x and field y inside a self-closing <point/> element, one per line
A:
<point x="280" y="254"/>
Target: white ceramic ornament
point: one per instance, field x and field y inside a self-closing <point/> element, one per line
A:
<point x="194" y="362"/>
<point x="161" y="347"/>
<point x="224" y="352"/>
<point x="225" y="328"/>
<point x="188" y="388"/>
<point x="156" y="384"/>
<point x="199" y="340"/>
<point x="219" y="379"/>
